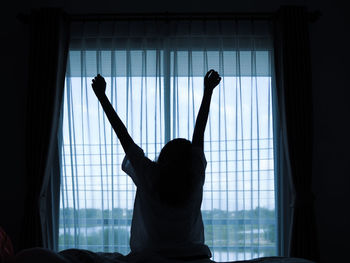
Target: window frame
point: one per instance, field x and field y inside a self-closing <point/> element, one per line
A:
<point x="282" y="199"/>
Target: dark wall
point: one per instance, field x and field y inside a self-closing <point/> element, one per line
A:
<point x="13" y="68"/>
<point x="329" y="55"/>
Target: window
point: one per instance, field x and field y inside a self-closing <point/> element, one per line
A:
<point x="157" y="93"/>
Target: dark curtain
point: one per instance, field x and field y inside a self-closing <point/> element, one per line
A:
<point x="294" y="98"/>
<point x="49" y="38"/>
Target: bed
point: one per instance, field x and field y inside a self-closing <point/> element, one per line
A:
<point x="84" y="256"/>
<point x="42" y="255"/>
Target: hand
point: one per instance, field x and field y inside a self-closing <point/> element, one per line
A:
<point x="99" y="86"/>
<point x="211" y="80"/>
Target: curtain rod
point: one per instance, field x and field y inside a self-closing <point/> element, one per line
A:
<point x="170" y="16"/>
<point x="313" y="16"/>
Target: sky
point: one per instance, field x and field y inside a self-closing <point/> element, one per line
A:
<point x="240" y="169"/>
<point x="238" y="137"/>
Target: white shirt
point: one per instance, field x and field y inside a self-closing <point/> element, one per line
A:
<point x="169" y="231"/>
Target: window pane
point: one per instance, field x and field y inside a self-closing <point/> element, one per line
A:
<point x="239" y="200"/>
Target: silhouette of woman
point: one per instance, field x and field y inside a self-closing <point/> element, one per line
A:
<point x="166" y="219"/>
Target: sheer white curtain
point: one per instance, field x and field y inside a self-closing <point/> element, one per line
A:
<point x="154" y="73"/>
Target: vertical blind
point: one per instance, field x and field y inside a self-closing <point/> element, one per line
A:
<point x="154" y="73"/>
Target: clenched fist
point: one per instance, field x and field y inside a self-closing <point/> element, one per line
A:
<point x="99" y="86"/>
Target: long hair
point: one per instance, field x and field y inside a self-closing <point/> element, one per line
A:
<point x="176" y="180"/>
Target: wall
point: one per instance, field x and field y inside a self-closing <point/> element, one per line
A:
<point x="330" y="56"/>
<point x="329" y="68"/>
<point x="13" y="68"/>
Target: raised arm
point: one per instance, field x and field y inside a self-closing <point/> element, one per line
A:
<point x="211" y="80"/>
<point x="99" y="87"/>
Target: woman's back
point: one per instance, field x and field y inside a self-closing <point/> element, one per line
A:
<point x="158" y="225"/>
